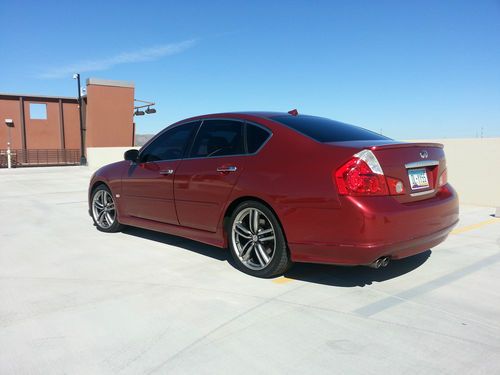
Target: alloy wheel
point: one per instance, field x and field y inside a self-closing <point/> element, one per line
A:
<point x="103" y="209"/>
<point x="254" y="238"/>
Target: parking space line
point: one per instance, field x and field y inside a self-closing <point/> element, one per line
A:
<point x="474" y="226"/>
<point x="282" y="280"/>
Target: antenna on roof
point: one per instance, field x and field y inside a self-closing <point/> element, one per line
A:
<point x="293" y="112"/>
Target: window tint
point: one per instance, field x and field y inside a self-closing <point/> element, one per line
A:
<point x="218" y="138"/>
<point x="256" y="136"/>
<point x="171" y="144"/>
<point x="326" y="130"/>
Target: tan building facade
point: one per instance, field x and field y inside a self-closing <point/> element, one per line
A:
<point x="48" y="127"/>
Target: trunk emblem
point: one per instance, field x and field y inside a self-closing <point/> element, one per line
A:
<point x="424" y="154"/>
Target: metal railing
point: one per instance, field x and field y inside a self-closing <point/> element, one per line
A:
<point x="32" y="158"/>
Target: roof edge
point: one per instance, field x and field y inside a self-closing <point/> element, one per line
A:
<point x="37" y="96"/>
<point x="109" y="82"/>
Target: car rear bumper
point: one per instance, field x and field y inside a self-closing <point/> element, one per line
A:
<point x="377" y="229"/>
<point x="359" y="254"/>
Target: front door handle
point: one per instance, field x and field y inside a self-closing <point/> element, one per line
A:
<point x="166" y="172"/>
<point x="228" y="168"/>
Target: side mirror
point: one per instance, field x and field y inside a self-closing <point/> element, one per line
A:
<point x="131" y="155"/>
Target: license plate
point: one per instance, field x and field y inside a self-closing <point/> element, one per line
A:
<point x="418" y="179"/>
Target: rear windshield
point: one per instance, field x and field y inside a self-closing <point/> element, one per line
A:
<point x="326" y="130"/>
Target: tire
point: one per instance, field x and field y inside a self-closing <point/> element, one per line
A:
<point x="258" y="247"/>
<point x="103" y="209"/>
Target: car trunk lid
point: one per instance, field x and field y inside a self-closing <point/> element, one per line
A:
<point x="417" y="164"/>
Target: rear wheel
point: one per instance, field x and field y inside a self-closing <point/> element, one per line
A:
<point x="104" y="210"/>
<point x="256" y="240"/>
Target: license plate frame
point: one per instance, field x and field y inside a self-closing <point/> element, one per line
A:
<point x="418" y="179"/>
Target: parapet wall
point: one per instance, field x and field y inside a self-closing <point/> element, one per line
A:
<point x="473" y="167"/>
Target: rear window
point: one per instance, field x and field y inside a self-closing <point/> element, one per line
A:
<point x="326" y="130"/>
<point x="256" y="137"/>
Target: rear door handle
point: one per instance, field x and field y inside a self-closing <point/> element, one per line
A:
<point x="229" y="168"/>
<point x="166" y="172"/>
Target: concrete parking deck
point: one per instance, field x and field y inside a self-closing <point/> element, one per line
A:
<point x="77" y="301"/>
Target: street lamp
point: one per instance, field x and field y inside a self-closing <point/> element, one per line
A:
<point x="148" y="111"/>
<point x="83" y="159"/>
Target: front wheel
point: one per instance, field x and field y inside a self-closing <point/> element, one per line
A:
<point x="256" y="241"/>
<point x="104" y="210"/>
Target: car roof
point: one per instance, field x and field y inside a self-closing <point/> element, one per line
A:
<point x="259" y="114"/>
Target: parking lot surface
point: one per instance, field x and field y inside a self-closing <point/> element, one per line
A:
<point x="74" y="300"/>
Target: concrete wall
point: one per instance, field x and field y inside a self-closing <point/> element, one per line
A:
<point x="474" y="169"/>
<point x="99" y="156"/>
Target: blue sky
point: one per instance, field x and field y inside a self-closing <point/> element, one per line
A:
<point x="411" y="69"/>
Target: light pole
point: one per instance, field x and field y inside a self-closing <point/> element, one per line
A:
<point x="9" y="124"/>
<point x="83" y="159"/>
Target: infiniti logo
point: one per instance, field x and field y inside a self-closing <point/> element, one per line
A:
<point x="424" y="154"/>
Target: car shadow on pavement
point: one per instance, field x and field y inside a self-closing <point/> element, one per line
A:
<point x="185" y="243"/>
<point x="340" y="276"/>
<point x="343" y="276"/>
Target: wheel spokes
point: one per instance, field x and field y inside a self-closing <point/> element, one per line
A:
<point x="109" y="219"/>
<point x="265" y="239"/>
<point x="101" y="217"/>
<point x="254" y="238"/>
<point x="265" y="231"/>
<point x="262" y="252"/>
<point x="254" y="221"/>
<point x="246" y="250"/>
<point x="104" y="209"/>
<point x="242" y="231"/>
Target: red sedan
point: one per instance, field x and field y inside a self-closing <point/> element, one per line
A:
<point x="278" y="188"/>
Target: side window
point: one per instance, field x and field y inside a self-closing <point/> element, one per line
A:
<point x="171" y="144"/>
<point x="218" y="138"/>
<point x="256" y="136"/>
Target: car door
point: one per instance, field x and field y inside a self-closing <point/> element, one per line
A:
<point x="147" y="186"/>
<point x="204" y="180"/>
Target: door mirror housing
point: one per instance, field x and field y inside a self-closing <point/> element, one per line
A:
<point x="131" y="155"/>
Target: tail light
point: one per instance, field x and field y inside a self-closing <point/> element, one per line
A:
<point x="443" y="179"/>
<point x="363" y="175"/>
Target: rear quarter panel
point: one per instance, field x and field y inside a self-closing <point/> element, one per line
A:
<point x="293" y="174"/>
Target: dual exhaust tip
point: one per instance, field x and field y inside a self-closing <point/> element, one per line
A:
<point x="380" y="262"/>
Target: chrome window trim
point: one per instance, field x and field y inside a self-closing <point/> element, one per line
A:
<point x="423" y="193"/>
<point x="197" y="131"/>
<point x="422" y="163"/>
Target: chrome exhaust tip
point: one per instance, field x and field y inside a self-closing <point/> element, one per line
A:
<point x="376" y="264"/>
<point x="380" y="262"/>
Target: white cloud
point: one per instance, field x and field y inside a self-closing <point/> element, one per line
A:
<point x="146" y="54"/>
